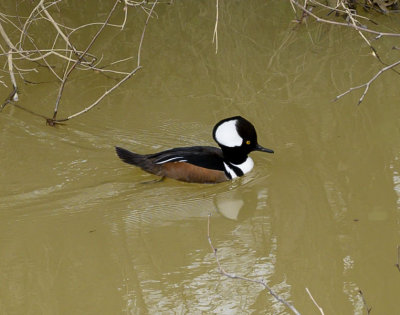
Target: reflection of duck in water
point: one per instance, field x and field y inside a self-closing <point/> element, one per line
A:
<point x="236" y="137"/>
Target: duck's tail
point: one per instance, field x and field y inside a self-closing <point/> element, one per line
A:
<point x="129" y="157"/>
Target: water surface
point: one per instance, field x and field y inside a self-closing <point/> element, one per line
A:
<point x="83" y="233"/>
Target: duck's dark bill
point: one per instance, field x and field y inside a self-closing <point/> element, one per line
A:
<point x="262" y="149"/>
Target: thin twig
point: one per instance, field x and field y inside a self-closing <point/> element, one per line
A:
<point x="367" y="309"/>
<point x="215" y="34"/>
<point x="398" y="257"/>
<point x="143" y="32"/>
<point x="125" y="16"/>
<point x="316" y="304"/>
<point x="48" y="52"/>
<point x="233" y="276"/>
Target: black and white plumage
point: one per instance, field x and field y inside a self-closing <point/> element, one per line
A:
<point x="204" y="164"/>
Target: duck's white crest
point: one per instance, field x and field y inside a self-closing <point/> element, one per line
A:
<point x="227" y="135"/>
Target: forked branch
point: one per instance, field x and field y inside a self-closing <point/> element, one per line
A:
<point x="367" y="84"/>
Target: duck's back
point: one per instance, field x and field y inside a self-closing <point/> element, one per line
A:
<point x="198" y="164"/>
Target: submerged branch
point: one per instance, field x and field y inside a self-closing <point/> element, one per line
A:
<point x="233" y="276"/>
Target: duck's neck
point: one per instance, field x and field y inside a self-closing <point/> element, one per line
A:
<point x="234" y="155"/>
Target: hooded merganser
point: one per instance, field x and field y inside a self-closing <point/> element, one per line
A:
<point x="236" y="137"/>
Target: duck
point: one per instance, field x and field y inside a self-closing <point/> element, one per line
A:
<point x="236" y="138"/>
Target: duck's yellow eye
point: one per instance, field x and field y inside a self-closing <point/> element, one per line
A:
<point x="248" y="142"/>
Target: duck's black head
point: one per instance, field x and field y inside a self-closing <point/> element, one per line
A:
<point x="237" y="137"/>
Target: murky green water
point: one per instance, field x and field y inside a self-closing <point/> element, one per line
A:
<point x="81" y="232"/>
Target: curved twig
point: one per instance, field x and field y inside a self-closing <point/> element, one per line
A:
<point x="215" y="34"/>
<point x="315" y="302"/>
